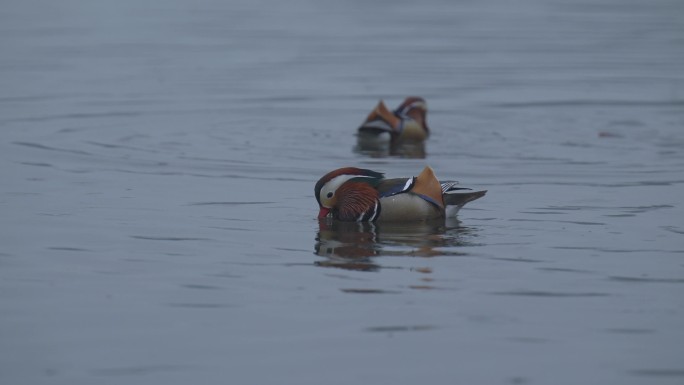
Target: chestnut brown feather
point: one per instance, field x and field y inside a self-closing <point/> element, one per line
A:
<point x="354" y="199"/>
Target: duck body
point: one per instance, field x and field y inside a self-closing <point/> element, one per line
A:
<point x="408" y="122"/>
<point x="407" y="207"/>
<point x="360" y="195"/>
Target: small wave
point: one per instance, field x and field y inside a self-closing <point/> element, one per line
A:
<point x="369" y="291"/>
<point x="44" y="147"/>
<point x="658" y="372"/>
<point x="399" y="328"/>
<point x="229" y="203"/>
<point x="589" y="102"/>
<point x="555" y="294"/>
<point x="646" y="279"/>
<point x="149" y="238"/>
<point x="67" y="249"/>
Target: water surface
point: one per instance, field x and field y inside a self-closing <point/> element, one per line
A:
<point x="158" y="223"/>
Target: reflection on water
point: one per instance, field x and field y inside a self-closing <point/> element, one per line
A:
<point x="376" y="146"/>
<point x="353" y="245"/>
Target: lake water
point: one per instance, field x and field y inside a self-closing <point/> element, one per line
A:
<point x="158" y="160"/>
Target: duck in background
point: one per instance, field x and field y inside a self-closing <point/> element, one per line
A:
<point x="406" y="123"/>
<point x="401" y="132"/>
<point x="360" y="195"/>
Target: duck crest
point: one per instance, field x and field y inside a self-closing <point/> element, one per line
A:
<point x="427" y="186"/>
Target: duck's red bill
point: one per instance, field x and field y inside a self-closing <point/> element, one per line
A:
<point x="323" y="213"/>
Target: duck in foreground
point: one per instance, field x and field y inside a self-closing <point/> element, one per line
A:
<point x="359" y="195"/>
<point x="407" y="123"/>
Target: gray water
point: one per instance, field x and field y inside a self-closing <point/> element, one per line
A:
<point x="157" y="165"/>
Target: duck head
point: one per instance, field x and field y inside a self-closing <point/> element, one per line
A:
<point x="349" y="194"/>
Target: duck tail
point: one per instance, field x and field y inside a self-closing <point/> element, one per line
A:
<point x="461" y="198"/>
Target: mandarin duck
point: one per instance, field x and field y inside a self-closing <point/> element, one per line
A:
<point x="407" y="123"/>
<point x="359" y="195"/>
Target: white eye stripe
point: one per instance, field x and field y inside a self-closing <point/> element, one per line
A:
<point x="410" y="106"/>
<point x="333" y="184"/>
<point x="340" y="179"/>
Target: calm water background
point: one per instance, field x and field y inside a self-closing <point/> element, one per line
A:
<point x="158" y="226"/>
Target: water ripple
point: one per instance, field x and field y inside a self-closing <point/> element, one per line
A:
<point x="174" y="239"/>
<point x="193" y="305"/>
<point x="673" y="229"/>
<point x="137" y="370"/>
<point x="120" y="146"/>
<point x="43" y="147"/>
<point x="369" y="291"/>
<point x="658" y="372"/>
<point x="646" y="279"/>
<point x="592" y="103"/>
<point x="399" y="328"/>
<point x="36" y="164"/>
<point x="229" y="203"/>
<point x="630" y="331"/>
<point x="200" y="287"/>
<point x="67" y="249"/>
<point x="554" y="294"/>
<point x="607" y="250"/>
<point x="546" y="220"/>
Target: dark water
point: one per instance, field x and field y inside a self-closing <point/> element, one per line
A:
<point x="158" y="160"/>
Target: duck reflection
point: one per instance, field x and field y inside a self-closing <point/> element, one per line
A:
<point x="381" y="147"/>
<point x="353" y="245"/>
